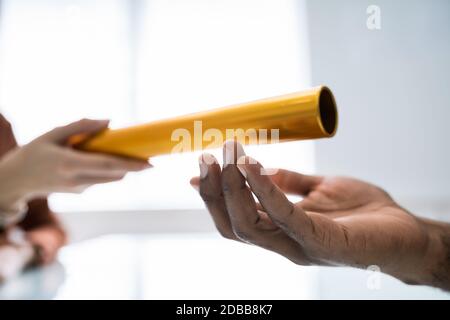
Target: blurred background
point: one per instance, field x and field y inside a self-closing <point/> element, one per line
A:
<point x="134" y="61"/>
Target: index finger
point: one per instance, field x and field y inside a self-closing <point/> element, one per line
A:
<point x="283" y="212"/>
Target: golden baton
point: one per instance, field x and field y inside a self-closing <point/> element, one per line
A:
<point x="309" y="114"/>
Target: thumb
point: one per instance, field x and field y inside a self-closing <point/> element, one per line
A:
<point x="85" y="126"/>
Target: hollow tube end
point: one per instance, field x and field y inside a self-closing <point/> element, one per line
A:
<point x="327" y="113"/>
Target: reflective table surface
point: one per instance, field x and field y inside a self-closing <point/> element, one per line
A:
<point x="195" y="266"/>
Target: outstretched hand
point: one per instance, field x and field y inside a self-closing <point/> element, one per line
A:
<point x="340" y="221"/>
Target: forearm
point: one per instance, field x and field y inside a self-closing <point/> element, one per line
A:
<point x="43" y="229"/>
<point x="415" y="251"/>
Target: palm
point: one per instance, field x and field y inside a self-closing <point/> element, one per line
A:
<point x="340" y="197"/>
<point x="369" y="219"/>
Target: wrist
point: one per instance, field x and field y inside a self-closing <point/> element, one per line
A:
<point x="13" y="195"/>
<point x="437" y="259"/>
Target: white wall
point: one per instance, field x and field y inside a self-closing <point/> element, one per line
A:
<point x="392" y="88"/>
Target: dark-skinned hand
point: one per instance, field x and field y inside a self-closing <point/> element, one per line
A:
<point x="340" y="221"/>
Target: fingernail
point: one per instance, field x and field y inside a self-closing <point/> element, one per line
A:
<point x="204" y="161"/>
<point x="241" y="166"/>
<point x="102" y="123"/>
<point x="203" y="170"/>
<point x="195" y="187"/>
<point x="233" y="150"/>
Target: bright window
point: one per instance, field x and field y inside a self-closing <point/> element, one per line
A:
<point x="136" y="61"/>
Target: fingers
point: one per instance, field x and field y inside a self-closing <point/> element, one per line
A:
<point x="91" y="164"/>
<point x="80" y="184"/>
<point x="75" y="171"/>
<point x="274" y="223"/>
<point x="61" y="134"/>
<point x="238" y="198"/>
<point x="249" y="219"/>
<point x="234" y="210"/>
<point x="285" y="214"/>
<point x="320" y="237"/>
<point x="86" y="181"/>
<point x="99" y="165"/>
<point x="210" y="188"/>
<point x="295" y="183"/>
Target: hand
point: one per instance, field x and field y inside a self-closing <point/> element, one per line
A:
<point x="340" y="221"/>
<point x="47" y="165"/>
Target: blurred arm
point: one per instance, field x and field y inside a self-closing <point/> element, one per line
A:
<point x="43" y="230"/>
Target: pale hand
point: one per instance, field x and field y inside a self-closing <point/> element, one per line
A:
<point x="48" y="165"/>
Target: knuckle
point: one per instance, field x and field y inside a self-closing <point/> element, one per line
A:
<point x="272" y="190"/>
<point x="265" y="191"/>
<point x="233" y="186"/>
<point x="243" y="233"/>
<point x="209" y="197"/>
<point x="64" y="166"/>
<point x="290" y="209"/>
<point x="226" y="187"/>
